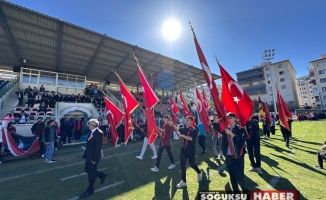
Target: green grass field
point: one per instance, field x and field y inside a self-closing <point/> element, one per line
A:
<point x="129" y="178"/>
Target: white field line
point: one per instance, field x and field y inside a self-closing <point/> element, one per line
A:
<point x="101" y="189"/>
<point x="272" y="183"/>
<point x="59" y="167"/>
<point x="74" y="176"/>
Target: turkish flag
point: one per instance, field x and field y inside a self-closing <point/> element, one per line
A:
<point x="174" y="110"/>
<point x="202" y="111"/>
<point x="234" y="98"/>
<point x="115" y="116"/>
<point x="150" y="100"/>
<point x="281" y="111"/>
<point x="184" y="105"/>
<point x="205" y="100"/>
<point x="129" y="105"/>
<point x="260" y="107"/>
<point x="267" y="114"/>
<point x="286" y="109"/>
<point x="211" y="85"/>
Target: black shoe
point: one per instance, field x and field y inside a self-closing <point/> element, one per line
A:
<point x="103" y="179"/>
<point x="86" y="194"/>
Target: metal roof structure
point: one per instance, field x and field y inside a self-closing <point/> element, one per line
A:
<point x="48" y="43"/>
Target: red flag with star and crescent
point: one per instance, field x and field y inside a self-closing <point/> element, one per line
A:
<point x="184" y="105"/>
<point x="234" y="98"/>
<point x="267" y="114"/>
<point x="174" y="110"/>
<point x="202" y="111"/>
<point x="281" y="111"/>
<point x="205" y="100"/>
<point x="115" y="117"/>
<point x="211" y="85"/>
<point x="129" y="105"/>
<point x="286" y="108"/>
<point x="150" y="100"/>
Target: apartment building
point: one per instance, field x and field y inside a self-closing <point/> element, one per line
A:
<point x="305" y="94"/>
<point x="317" y="74"/>
<point x="260" y="78"/>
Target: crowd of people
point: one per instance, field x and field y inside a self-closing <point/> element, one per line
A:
<point x="311" y="116"/>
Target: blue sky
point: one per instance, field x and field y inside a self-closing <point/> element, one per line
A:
<point x="237" y="31"/>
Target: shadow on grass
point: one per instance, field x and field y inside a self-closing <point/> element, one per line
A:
<point x="304" y="165"/>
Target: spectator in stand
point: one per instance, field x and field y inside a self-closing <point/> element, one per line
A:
<point x="20" y="96"/>
<point x="51" y="99"/>
<point x="22" y="118"/>
<point x="31" y="98"/>
<point x="45" y="98"/>
<point x="49" y="139"/>
<point x="9" y="118"/>
<point x="28" y="90"/>
<point x="11" y="128"/>
<point x="78" y="98"/>
<point x="58" y="97"/>
<point x="42" y="89"/>
<point x="35" y="90"/>
<point x="78" y="127"/>
<point x="1" y="139"/>
<point x="66" y="98"/>
<point x="72" y="98"/>
<point x="42" y="107"/>
<point x="38" y="98"/>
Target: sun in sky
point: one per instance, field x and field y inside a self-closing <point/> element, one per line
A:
<point x="171" y="29"/>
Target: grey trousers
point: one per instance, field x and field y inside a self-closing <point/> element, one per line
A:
<point x="216" y="140"/>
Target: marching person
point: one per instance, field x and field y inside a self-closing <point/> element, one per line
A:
<point x="253" y="144"/>
<point x="217" y="139"/>
<point x="188" y="150"/>
<point x="273" y="125"/>
<point x="320" y="157"/>
<point x="92" y="156"/>
<point x="202" y="138"/>
<point x="266" y="128"/>
<point x="286" y="135"/>
<point x="145" y="142"/>
<point x="165" y="142"/>
<point x="234" y="137"/>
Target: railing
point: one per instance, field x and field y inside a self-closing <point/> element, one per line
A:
<point x="8" y="86"/>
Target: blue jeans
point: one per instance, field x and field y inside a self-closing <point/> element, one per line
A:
<point x="49" y="151"/>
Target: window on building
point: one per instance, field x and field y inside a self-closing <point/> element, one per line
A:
<point x="29" y="76"/>
<point x="47" y="78"/>
<point x="267" y="68"/>
<point x="261" y="83"/>
<point x="268" y="82"/>
<point x="308" y="78"/>
<point x="324" y="98"/>
<point x="282" y="79"/>
<point x="267" y="75"/>
<point x="317" y="98"/>
<point x="280" y="65"/>
<point x="283" y="86"/>
<point x="321" y="64"/>
<point x="315" y="90"/>
<point x="281" y="72"/>
<point x="323" y="80"/>
<point x="322" y="71"/>
<point x="323" y="89"/>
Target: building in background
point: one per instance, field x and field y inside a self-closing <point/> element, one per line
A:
<point x="306" y="97"/>
<point x="260" y="78"/>
<point x="317" y="74"/>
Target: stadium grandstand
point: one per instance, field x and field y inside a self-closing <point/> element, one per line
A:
<point x="67" y="67"/>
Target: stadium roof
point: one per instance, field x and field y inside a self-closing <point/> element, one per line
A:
<point x="51" y="44"/>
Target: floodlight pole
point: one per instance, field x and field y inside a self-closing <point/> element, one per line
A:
<point x="268" y="55"/>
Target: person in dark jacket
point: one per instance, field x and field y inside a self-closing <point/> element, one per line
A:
<point x="68" y="127"/>
<point x="36" y="127"/>
<point x="49" y="139"/>
<point x="58" y="97"/>
<point x="78" y="127"/>
<point x="92" y="156"/>
<point x="234" y="138"/>
<point x="253" y="144"/>
<point x="20" y="96"/>
<point x="42" y="107"/>
<point x="31" y="98"/>
<point x="40" y="137"/>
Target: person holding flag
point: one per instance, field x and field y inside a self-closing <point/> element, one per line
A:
<point x="234" y="138"/>
<point x="253" y="144"/>
<point x="143" y="129"/>
<point x="217" y="139"/>
<point x="165" y="142"/>
<point x="188" y="150"/>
